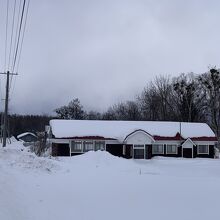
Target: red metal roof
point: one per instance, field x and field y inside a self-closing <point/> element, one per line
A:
<point x="204" y="139"/>
<point x="177" y="137"/>
<point x="88" y="138"/>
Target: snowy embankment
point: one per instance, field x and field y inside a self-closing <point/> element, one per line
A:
<point x="97" y="186"/>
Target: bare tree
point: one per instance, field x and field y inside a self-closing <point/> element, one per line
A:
<point x="110" y="114"/>
<point x="132" y="111"/>
<point x="210" y="85"/>
<point x="123" y="111"/>
<point x="149" y="102"/>
<point x="156" y="100"/>
<point x="187" y="97"/>
<point x="164" y="91"/>
<point x="93" y="115"/>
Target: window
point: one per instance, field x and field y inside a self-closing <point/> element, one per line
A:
<point x="76" y="146"/>
<point x="139" y="151"/>
<point x="203" y="149"/>
<point x="157" y="149"/>
<point x="88" y="145"/>
<point x="99" y="145"/>
<point x="171" y="149"/>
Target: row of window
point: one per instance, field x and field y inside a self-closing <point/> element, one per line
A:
<point x="84" y="146"/>
<point x="172" y="149"/>
<point x="159" y="149"/>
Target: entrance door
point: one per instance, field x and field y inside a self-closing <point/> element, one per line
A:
<point x="187" y="152"/>
<point x="139" y="152"/>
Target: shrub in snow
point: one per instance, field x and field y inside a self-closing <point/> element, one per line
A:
<point x="41" y="147"/>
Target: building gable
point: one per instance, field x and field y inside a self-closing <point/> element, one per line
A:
<point x="188" y="143"/>
<point x="139" y="137"/>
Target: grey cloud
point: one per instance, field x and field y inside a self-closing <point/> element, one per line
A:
<point x="106" y="51"/>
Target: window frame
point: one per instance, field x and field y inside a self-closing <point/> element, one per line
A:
<point x="158" y="151"/>
<point x="176" y="147"/>
<point x="88" y="142"/>
<point x="99" y="142"/>
<point x="139" y="147"/>
<point x="207" y="145"/>
<point x="74" y="150"/>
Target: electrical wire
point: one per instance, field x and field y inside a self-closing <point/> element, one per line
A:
<point x="21" y="46"/>
<point x="19" y="35"/>
<point x="15" y="39"/>
<point x="22" y="39"/>
<point x="12" y="33"/>
<point x="6" y="34"/>
<point x="17" y="27"/>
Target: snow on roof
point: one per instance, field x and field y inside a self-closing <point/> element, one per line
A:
<point x="120" y="129"/>
<point x="24" y="134"/>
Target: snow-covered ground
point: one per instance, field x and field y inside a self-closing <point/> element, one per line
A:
<point x="99" y="186"/>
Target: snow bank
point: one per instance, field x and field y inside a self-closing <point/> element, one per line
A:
<point x="16" y="156"/>
<point x="120" y="129"/>
<point x="99" y="158"/>
<point x="97" y="186"/>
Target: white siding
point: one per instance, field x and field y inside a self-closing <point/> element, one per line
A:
<point x="139" y="137"/>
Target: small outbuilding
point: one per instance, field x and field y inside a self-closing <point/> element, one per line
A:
<point x="27" y="137"/>
<point x="132" y="139"/>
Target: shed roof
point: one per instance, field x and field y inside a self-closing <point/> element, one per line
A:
<point x="26" y="133"/>
<point x="120" y="129"/>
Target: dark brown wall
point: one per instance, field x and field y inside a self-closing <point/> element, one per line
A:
<point x="194" y="151"/>
<point x="75" y="154"/>
<point x="187" y="152"/>
<point x="54" y="150"/>
<point x="180" y="151"/>
<point x="60" y="150"/>
<point x="128" y="151"/>
<point x="211" y="153"/>
<point x="148" y="151"/>
<point x="115" y="149"/>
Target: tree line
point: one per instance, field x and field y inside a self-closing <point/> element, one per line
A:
<point x="186" y="98"/>
<point x="27" y="123"/>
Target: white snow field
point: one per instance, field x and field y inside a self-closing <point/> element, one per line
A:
<point x="99" y="186"/>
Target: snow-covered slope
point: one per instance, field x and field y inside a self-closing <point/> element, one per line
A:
<point x="120" y="129"/>
<point x="97" y="186"/>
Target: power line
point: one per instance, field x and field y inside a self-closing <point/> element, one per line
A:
<point x="16" y="36"/>
<point x="17" y="27"/>
<point x="19" y="35"/>
<point x="6" y="34"/>
<point x="13" y="59"/>
<point x="21" y="46"/>
<point x="19" y="30"/>
<point x="12" y="33"/>
<point x="22" y="39"/>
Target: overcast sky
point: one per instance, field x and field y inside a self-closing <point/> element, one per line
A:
<point x="104" y="51"/>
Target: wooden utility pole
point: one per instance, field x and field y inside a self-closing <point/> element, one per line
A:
<point x="5" y="123"/>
